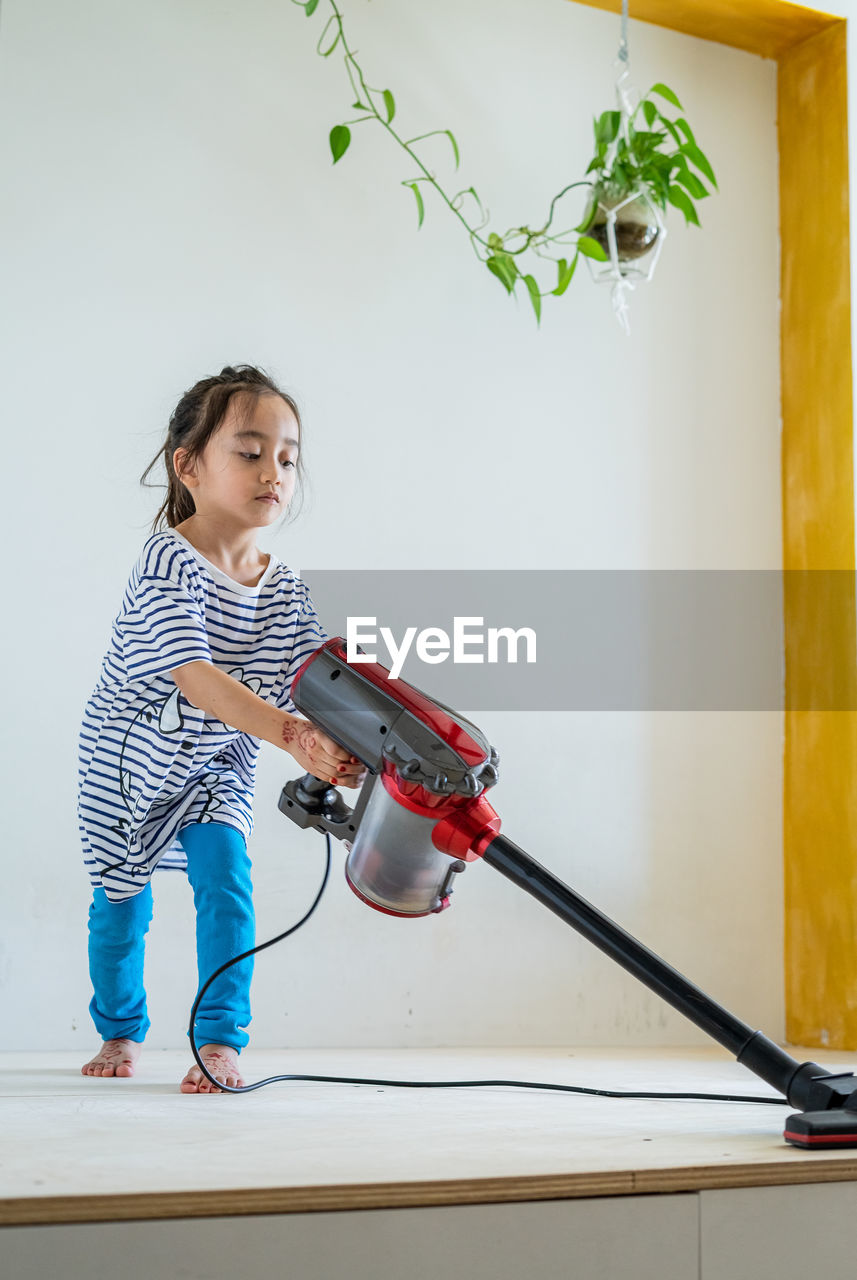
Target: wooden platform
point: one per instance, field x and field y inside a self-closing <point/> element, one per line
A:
<point x="76" y="1150"/>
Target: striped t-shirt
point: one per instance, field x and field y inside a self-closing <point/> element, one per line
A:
<point x="150" y="763"/>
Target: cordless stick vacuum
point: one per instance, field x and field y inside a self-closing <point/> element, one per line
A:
<point x="422" y="815"/>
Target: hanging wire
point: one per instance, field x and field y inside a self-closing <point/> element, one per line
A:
<point x="623" y="41"/>
<point x="621" y="286"/>
<point x="623" y="79"/>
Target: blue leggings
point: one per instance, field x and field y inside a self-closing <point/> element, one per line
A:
<point x="218" y="869"/>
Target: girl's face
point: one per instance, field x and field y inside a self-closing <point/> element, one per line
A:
<point x="245" y="476"/>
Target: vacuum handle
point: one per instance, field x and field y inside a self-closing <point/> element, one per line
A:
<point x="314" y="802"/>
<point x="313" y="788"/>
<point x="310" y="792"/>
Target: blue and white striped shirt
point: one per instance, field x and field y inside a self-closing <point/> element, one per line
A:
<point x="150" y="763"/>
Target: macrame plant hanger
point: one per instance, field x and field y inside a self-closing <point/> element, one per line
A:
<point x="625" y="271"/>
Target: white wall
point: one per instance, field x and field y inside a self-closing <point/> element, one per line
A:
<point x="169" y="206"/>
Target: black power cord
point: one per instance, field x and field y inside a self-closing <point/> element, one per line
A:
<point x="421" y="1084"/>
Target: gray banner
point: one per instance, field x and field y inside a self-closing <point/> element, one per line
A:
<point x="604" y="640"/>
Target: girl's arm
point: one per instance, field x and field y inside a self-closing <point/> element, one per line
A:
<point x="211" y="690"/>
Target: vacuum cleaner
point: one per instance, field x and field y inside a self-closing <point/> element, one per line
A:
<point x="422" y="815"/>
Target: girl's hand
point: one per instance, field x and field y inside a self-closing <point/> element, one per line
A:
<point x="318" y="754"/>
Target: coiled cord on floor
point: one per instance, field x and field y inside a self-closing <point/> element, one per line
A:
<point x="420" y="1084"/>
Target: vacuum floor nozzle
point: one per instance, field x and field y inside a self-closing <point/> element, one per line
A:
<point x="812" y="1130"/>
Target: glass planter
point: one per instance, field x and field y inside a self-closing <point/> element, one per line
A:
<point x="636" y="224"/>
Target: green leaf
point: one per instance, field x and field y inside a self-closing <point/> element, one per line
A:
<point x="606" y="127"/>
<point x="690" y="182"/>
<point x="495" y="266"/>
<point x="535" y="296"/>
<point x="650" y="111"/>
<point x="592" y="249"/>
<point x="664" y="92"/>
<point x="682" y="201"/>
<point x="644" y="140"/>
<point x="449" y="134"/>
<point x="310" y="7"/>
<point x="620" y="175"/>
<point x="694" y="154"/>
<point x="390" y="104"/>
<point x="510" y="264"/>
<point x="682" y="124"/>
<point x="340" y="137"/>
<point x="660" y="191"/>
<point x="565" y="271"/>
<point x="504" y="268"/>
<point x="668" y="124"/>
<point x="421" y="209"/>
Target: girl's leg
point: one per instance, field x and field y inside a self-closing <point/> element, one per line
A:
<point x="117" y="939"/>
<point x="218" y="868"/>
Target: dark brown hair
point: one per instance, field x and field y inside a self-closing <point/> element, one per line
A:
<point x="194" y="421"/>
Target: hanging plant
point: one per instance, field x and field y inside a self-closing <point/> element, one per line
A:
<point x="626" y="161"/>
<point x="653" y="162"/>
<point x="638" y="172"/>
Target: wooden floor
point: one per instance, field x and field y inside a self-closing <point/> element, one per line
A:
<point x="82" y="1150"/>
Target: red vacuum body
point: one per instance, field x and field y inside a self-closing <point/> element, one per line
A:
<point x="422" y="812"/>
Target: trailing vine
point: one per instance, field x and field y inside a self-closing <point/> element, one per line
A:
<point x="504" y="255"/>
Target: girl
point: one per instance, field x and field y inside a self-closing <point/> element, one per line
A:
<point x="204" y="648"/>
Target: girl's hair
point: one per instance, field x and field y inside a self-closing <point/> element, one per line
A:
<point x="194" y="421"/>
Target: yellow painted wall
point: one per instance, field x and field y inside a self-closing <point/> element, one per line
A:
<point x="820" y="774"/>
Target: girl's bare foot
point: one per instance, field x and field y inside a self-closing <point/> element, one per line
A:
<point x="115" y="1058"/>
<point x="222" y="1061"/>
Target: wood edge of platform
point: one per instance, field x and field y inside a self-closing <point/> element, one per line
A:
<point x="243" y="1201"/>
